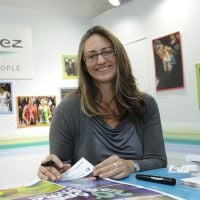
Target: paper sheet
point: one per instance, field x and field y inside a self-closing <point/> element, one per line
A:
<point x="191" y="182"/>
<point x="80" y="169"/>
<point x="183" y="168"/>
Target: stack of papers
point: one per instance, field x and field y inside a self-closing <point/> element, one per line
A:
<point x="183" y="168"/>
<point x="191" y="182"/>
<point x="193" y="158"/>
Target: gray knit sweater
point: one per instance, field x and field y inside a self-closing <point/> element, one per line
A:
<point x="72" y="136"/>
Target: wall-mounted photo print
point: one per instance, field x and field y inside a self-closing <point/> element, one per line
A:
<point x="35" y="110"/>
<point x="65" y="91"/>
<point x="168" y="62"/>
<point x="69" y="66"/>
<point x="198" y="82"/>
<point x="6" y="98"/>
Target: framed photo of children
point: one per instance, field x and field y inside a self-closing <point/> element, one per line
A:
<point x="69" y="66"/>
<point x="198" y="82"/>
<point x="35" y="110"/>
<point x="168" y="62"/>
<point x="65" y="91"/>
<point x="6" y="98"/>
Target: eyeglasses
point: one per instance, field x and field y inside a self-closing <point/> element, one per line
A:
<point x="106" y="53"/>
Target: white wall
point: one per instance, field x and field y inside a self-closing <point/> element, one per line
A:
<point x="140" y="19"/>
<point x="52" y="36"/>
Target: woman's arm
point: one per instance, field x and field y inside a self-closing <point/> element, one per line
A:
<point x="24" y="114"/>
<point x="61" y="141"/>
<point x="62" y="133"/>
<point x="8" y="97"/>
<point x="151" y="135"/>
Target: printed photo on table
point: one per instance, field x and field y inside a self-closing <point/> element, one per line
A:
<point x="69" y="66"/>
<point x="88" y="188"/>
<point x="6" y="98"/>
<point x="168" y="62"/>
<point x="35" y="110"/>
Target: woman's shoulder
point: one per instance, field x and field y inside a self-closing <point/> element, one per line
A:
<point x="147" y="97"/>
<point x="68" y="108"/>
<point x="149" y="100"/>
<point x="70" y="102"/>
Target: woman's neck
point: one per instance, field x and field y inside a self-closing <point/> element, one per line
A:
<point x="106" y="93"/>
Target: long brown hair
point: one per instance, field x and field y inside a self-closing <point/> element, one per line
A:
<point x="127" y="95"/>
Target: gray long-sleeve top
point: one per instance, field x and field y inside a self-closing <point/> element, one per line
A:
<point x="74" y="135"/>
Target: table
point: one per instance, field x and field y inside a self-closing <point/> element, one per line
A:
<point x="177" y="190"/>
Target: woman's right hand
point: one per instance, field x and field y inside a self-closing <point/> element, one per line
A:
<point x="52" y="173"/>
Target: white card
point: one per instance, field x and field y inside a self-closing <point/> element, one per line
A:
<point x="80" y="169"/>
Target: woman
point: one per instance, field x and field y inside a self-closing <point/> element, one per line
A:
<point x="107" y="119"/>
<point x="30" y="113"/>
<point x="44" y="112"/>
<point x="5" y="99"/>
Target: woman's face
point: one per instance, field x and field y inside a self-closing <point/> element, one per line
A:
<point x="160" y="50"/>
<point x="30" y="101"/>
<point x="102" y="68"/>
<point x="43" y="102"/>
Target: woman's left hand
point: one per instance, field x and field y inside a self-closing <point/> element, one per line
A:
<point x="114" y="167"/>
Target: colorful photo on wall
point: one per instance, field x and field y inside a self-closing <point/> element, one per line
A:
<point x="69" y="66"/>
<point x="6" y="98"/>
<point x="65" y="91"/>
<point x="168" y="62"/>
<point x="35" y="110"/>
<point x="198" y="82"/>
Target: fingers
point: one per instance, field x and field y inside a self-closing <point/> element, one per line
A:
<point x="52" y="173"/>
<point x="41" y="175"/>
<point x="55" y="159"/>
<point x="113" y="167"/>
<point x="49" y="173"/>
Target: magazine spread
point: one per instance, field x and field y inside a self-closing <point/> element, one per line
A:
<point x="88" y="188"/>
<point x="84" y="188"/>
<point x="40" y="187"/>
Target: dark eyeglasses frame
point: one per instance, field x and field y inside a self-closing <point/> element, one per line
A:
<point x="93" y="57"/>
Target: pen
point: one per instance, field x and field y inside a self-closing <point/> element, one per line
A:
<point x="51" y="163"/>
<point x="156" y="179"/>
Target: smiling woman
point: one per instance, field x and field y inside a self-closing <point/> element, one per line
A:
<point x="107" y="119"/>
<point x="101" y="66"/>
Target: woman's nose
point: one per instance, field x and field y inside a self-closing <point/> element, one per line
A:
<point x="100" y="59"/>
